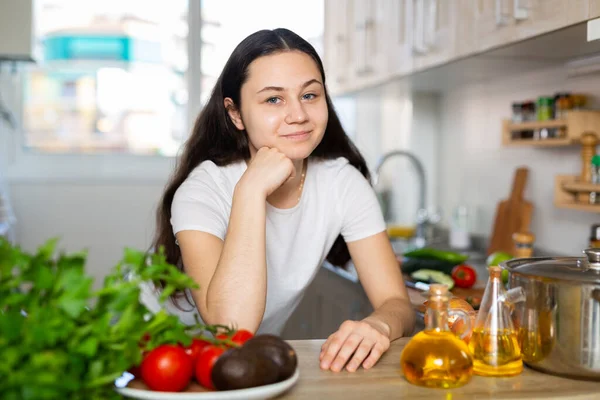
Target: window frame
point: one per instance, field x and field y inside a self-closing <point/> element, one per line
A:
<point x="29" y="165"/>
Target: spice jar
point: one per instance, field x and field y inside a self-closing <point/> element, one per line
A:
<point x="562" y="104"/>
<point x="523" y="244"/>
<point x="545" y="107"/>
<point x="517" y="113"/>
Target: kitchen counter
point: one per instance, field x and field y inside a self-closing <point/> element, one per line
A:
<point x="385" y="381"/>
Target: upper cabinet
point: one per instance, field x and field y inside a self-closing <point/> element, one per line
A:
<point x="594" y="11"/>
<point x="368" y="42"/>
<point x="433" y="30"/>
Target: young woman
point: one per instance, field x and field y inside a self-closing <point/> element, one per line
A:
<point x="267" y="188"/>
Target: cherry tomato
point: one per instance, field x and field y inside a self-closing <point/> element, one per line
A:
<point x="167" y="369"/>
<point x="239" y="337"/>
<point x="464" y="276"/>
<point x="194" y="349"/>
<point x="205" y="363"/>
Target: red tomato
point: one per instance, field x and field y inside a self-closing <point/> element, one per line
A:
<point x="239" y="337"/>
<point x="167" y="369"/>
<point x="205" y="362"/>
<point x="464" y="276"/>
<point x="194" y="349"/>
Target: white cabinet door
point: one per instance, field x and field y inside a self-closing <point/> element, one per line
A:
<point x="337" y="43"/>
<point x="434" y="23"/>
<point x="399" y="37"/>
<point x="371" y="33"/>
<point x="594" y="9"/>
<point x="535" y="17"/>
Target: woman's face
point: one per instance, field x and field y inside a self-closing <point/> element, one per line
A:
<point x="283" y="104"/>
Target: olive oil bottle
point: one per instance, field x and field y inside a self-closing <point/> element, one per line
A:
<point x="494" y="343"/>
<point x="436" y="357"/>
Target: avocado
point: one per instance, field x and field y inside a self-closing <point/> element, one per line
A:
<point x="237" y="369"/>
<point x="431" y="276"/>
<point x="410" y="265"/>
<point x="275" y="349"/>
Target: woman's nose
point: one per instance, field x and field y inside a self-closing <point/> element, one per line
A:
<point x="295" y="113"/>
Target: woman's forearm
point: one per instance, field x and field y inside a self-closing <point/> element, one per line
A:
<point x="395" y="317"/>
<point x="237" y="291"/>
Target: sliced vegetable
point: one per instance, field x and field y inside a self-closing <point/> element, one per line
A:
<point x="464" y="276"/>
<point x="410" y="265"/>
<point x="429" y="253"/>
<point x="430" y="276"/>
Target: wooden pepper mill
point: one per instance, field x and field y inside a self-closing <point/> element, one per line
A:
<point x="523" y="244"/>
<point x="589" y="141"/>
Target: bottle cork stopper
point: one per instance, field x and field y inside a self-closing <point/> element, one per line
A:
<point x="438" y="289"/>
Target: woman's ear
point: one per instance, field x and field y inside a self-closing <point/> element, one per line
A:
<point x="234" y="113"/>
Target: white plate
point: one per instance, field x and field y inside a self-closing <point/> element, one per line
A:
<point x="255" y="393"/>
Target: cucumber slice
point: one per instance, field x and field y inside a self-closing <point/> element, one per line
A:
<point x="431" y="276"/>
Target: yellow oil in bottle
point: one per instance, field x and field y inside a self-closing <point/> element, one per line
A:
<point x="496" y="353"/>
<point x="437" y="359"/>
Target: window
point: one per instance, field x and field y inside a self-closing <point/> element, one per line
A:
<point x="226" y="23"/>
<point x="114" y="92"/>
<point x="110" y="77"/>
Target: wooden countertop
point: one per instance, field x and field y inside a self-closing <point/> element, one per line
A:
<point x="385" y="381"/>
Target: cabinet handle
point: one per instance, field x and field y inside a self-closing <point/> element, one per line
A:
<point x="367" y="31"/>
<point x="521" y="9"/>
<point x="431" y="38"/>
<point x="502" y="17"/>
<point x="419" y="45"/>
<point x="341" y="53"/>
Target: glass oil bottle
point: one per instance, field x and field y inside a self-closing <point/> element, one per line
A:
<point x="436" y="357"/>
<point x="494" y="343"/>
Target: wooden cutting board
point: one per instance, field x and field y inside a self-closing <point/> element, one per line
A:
<point x="512" y="215"/>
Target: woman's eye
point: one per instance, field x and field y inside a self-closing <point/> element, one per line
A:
<point x="273" y="100"/>
<point x="309" y="96"/>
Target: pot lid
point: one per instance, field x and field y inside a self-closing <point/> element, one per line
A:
<point x="580" y="269"/>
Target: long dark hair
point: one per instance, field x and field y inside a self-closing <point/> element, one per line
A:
<point x="216" y="138"/>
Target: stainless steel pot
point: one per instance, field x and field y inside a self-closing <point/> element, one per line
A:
<point x="559" y="322"/>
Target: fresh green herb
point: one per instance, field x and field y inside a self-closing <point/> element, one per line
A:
<point x="60" y="339"/>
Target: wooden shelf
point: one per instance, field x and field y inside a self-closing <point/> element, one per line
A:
<point x="576" y="123"/>
<point x="532" y="125"/>
<point x="572" y="194"/>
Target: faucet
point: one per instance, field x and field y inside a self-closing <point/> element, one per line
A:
<point x="422" y="217"/>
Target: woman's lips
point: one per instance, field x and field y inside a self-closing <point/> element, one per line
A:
<point x="300" y="135"/>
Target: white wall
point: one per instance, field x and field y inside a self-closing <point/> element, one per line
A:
<point x="476" y="170"/>
<point x="391" y="117"/>
<point x="102" y="218"/>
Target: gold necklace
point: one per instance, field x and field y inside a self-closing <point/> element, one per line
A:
<point x="302" y="181"/>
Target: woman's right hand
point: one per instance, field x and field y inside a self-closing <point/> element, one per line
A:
<point x="268" y="170"/>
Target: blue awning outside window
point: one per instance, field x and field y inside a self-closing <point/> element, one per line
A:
<point x="96" y="47"/>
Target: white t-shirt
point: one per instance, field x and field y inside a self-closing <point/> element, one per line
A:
<point x="336" y="199"/>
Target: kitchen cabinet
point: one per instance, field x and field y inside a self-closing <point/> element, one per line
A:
<point x="330" y="300"/>
<point x="368" y="42"/>
<point x="356" y="37"/>
<point x="433" y="31"/>
<point x="337" y="42"/>
<point x="594" y="9"/>
<point x="400" y="36"/>
<point x="370" y="37"/>
<point x="500" y="22"/>
<point x="465" y="41"/>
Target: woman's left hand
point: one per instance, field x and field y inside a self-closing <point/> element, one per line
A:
<point x="355" y="343"/>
